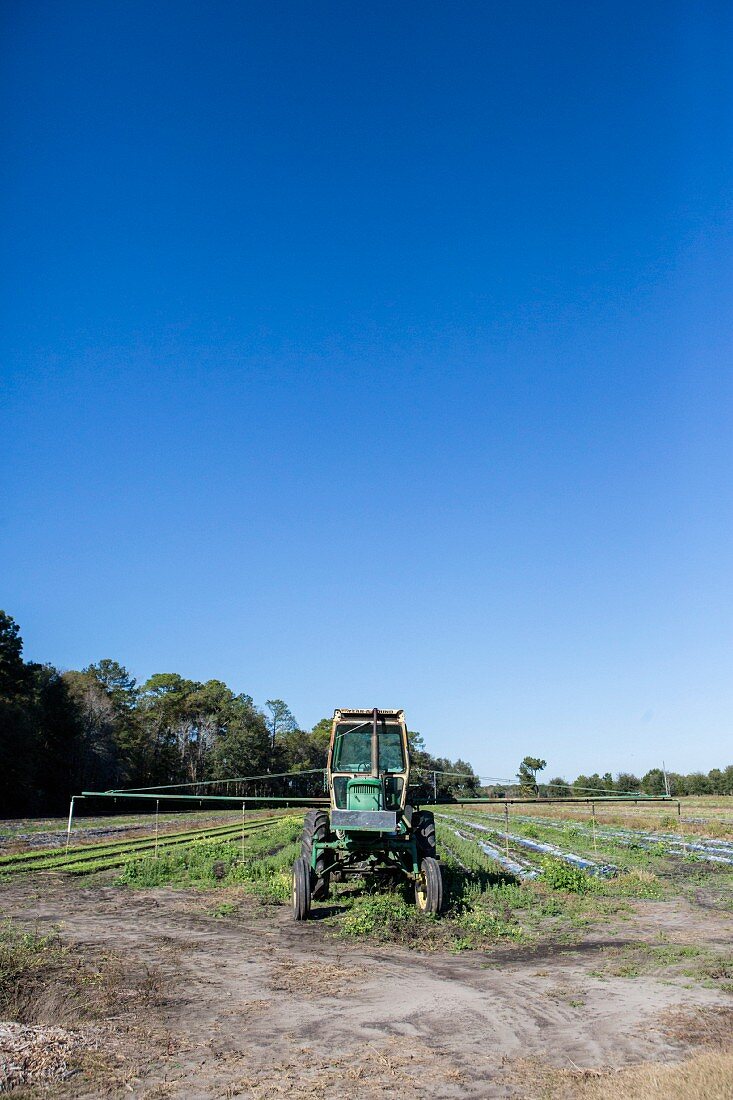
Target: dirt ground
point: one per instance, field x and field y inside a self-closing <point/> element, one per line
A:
<point x="252" y="1004"/>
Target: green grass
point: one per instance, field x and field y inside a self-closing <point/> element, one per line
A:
<point x="481" y="909"/>
<point x="263" y="868"/>
<point x="671" y="961"/>
<point x="383" y="917"/>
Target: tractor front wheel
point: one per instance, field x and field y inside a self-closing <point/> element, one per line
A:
<point x="429" y="886"/>
<point x="301" y="888"/>
<point x="424" y="825"/>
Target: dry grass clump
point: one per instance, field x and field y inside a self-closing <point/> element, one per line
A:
<point x="707" y="1076"/>
<point x="701" y="1027"/>
<point x="317" y="979"/>
<point x="39" y="1055"/>
<point x="368" y="1071"/>
<point x="26" y="960"/>
<point x="638" y="875"/>
<point x="704" y="1076"/>
<point x="46" y="982"/>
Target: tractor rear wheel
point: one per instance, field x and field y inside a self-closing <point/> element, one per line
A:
<point x="307" y="838"/>
<point x="429" y="886"/>
<point x="321" y="829"/>
<point x="322" y="885"/>
<point x="301" y="888"/>
<point x="424" y="826"/>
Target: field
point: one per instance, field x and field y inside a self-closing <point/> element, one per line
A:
<point x="580" y="955"/>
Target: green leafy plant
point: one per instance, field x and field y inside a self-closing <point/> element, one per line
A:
<point x="559" y="875"/>
<point x="384" y="916"/>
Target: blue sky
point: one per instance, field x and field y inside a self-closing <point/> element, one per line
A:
<point x="379" y="355"/>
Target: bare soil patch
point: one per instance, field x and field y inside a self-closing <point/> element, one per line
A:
<point x="252" y="1004"/>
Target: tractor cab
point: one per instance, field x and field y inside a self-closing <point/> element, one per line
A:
<point x="368" y="768"/>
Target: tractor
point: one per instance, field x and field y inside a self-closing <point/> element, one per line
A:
<point x="370" y="828"/>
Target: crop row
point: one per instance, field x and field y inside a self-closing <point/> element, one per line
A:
<point x="522" y="865"/>
<point x="40" y="854"/>
<point x="99" y="857"/>
<point x="712" y="851"/>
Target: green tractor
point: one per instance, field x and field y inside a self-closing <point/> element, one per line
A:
<point x="370" y="828"/>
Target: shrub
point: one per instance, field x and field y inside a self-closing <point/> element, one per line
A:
<point x="482" y="922"/>
<point x="559" y="875"/>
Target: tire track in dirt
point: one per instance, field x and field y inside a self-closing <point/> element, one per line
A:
<point x="245" y="1001"/>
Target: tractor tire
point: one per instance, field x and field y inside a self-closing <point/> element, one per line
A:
<point x="301" y="888"/>
<point x="321" y="829"/>
<point x="321" y="825"/>
<point x="429" y="886"/>
<point x="322" y="885"/>
<point x="424" y="825"/>
<point x="307" y="837"/>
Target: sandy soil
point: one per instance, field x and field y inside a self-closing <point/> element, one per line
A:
<point x="255" y="1005"/>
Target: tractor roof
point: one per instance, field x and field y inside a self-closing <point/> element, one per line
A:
<point x="368" y="712"/>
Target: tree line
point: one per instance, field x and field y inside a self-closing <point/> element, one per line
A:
<point x="654" y="782"/>
<point x="716" y="781"/>
<point x="98" y="729"/>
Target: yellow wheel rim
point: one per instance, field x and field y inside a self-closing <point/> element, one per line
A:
<point x="421" y="892"/>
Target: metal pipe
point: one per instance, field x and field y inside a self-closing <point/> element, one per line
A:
<point x="210" y="782"/>
<point x="375" y="744"/>
<point x="201" y="798"/>
<point x="315" y="801"/>
<point x="71" y="819"/>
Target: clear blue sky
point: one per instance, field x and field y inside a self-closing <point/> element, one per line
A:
<point x="379" y="354"/>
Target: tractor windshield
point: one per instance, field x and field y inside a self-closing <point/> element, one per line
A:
<point x="352" y="748"/>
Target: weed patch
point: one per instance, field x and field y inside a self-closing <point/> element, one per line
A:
<point x="261" y="865"/>
<point x="711" y="968"/>
<point x="637" y="883"/>
<point x="44" y="981"/>
<point x="384" y="917"/>
<point x="559" y="875"/>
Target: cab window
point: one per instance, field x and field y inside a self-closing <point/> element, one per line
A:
<point x="352" y="750"/>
